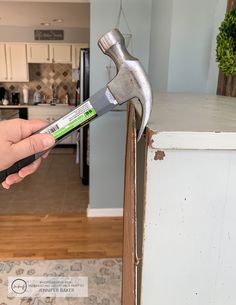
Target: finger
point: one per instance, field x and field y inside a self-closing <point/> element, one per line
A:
<point x="5" y="185"/>
<point x="33" y="126"/>
<point x="19" y="129"/>
<point x="12" y="179"/>
<point x="29" y="169"/>
<point x="32" y="145"/>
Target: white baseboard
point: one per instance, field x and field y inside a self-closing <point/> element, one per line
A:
<point x="105" y="212"/>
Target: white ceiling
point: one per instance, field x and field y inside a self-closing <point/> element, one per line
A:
<point x="31" y="14"/>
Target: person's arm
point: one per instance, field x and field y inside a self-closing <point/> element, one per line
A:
<point x="17" y="142"/>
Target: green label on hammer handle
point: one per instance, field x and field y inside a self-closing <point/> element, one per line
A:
<point x="71" y="121"/>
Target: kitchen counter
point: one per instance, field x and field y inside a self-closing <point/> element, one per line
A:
<point x="24" y="109"/>
<point x="29" y="105"/>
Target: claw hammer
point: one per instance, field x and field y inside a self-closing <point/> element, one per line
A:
<point x="130" y="82"/>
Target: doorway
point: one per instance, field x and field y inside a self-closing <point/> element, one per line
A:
<point x="57" y="186"/>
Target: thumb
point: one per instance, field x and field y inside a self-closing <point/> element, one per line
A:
<point x="32" y="145"/>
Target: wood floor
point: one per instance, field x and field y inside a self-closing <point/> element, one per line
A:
<point x="61" y="236"/>
<point x="55" y="188"/>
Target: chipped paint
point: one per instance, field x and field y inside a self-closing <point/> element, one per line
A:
<point x="150" y="140"/>
<point x="159" y="155"/>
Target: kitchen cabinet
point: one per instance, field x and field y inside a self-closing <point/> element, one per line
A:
<point x="76" y="54"/>
<point x="61" y="53"/>
<point x="49" y="53"/>
<point x="179" y="210"/>
<point x="3" y="62"/>
<point x="38" y="53"/>
<point x="13" y="62"/>
<point x="55" y="53"/>
<point x="50" y="114"/>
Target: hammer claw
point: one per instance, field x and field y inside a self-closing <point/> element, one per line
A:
<point x="131" y="80"/>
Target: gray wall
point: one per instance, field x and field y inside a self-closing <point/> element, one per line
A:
<point x="182" y="50"/>
<point x="160" y="44"/>
<point x="26" y="34"/>
<point x="108" y="133"/>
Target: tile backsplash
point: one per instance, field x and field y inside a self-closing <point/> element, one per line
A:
<point x="42" y="77"/>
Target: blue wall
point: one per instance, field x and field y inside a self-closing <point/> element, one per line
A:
<point x="182" y="50"/>
<point x="107" y="136"/>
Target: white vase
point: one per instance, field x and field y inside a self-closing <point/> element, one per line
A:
<point x="25" y="95"/>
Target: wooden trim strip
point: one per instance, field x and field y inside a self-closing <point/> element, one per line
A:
<point x="129" y="268"/>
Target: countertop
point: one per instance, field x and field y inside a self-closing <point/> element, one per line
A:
<point x="192" y="121"/>
<point x="29" y="105"/>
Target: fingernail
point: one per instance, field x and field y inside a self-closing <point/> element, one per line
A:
<point x="48" y="141"/>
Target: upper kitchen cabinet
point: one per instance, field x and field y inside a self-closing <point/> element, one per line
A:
<point x="3" y="62"/>
<point x="38" y="53"/>
<point x="61" y="53"/>
<point x="76" y="54"/>
<point x="13" y="62"/>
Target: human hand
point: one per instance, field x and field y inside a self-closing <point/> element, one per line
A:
<point x="17" y="142"/>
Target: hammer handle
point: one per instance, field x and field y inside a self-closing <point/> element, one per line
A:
<point x="16" y="167"/>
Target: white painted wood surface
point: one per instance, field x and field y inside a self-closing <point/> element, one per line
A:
<point x="193" y="121"/>
<point x="189" y="242"/>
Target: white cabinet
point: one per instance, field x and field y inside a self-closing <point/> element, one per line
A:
<point x="38" y="53"/>
<point x="76" y="54"/>
<point x="50" y="114"/>
<point x="61" y="53"/>
<point x="185" y="185"/>
<point x="13" y="61"/>
<point x="3" y="63"/>
<point x="55" y="53"/>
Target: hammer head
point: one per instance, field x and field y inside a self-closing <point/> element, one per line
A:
<point x="131" y="80"/>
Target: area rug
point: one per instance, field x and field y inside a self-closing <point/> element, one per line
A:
<point x="104" y="280"/>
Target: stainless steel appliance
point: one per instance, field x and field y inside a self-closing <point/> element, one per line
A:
<point x="84" y="132"/>
<point x="15" y="98"/>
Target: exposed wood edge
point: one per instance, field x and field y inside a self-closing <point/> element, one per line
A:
<point x="129" y="277"/>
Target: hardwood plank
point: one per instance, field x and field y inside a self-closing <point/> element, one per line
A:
<point x="59" y="237"/>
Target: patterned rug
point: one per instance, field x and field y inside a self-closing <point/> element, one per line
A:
<point x="104" y="280"/>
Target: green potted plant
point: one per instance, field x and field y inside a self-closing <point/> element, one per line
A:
<point x="226" y="44"/>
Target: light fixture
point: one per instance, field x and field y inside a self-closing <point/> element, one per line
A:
<point x="58" y="20"/>
<point x="45" y="23"/>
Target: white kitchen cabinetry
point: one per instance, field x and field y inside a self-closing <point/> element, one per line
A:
<point x="50" y="114"/>
<point x="55" y="53"/>
<point x="13" y="62"/>
<point x="76" y="54"/>
<point x="61" y="53"/>
<point x="38" y="53"/>
<point x="3" y="63"/>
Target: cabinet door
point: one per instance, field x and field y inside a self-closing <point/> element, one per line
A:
<point x="61" y="53"/>
<point x="17" y="62"/>
<point x="3" y="63"/>
<point x="76" y="54"/>
<point x="38" y="53"/>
